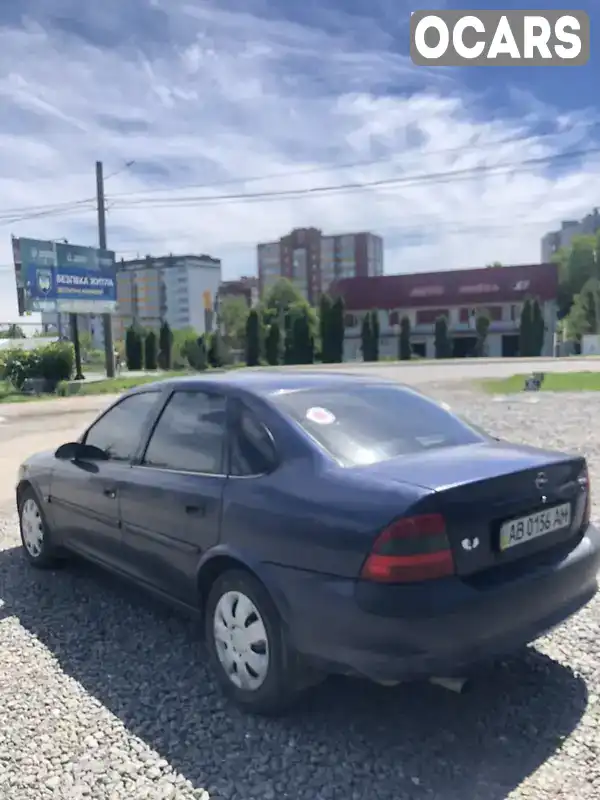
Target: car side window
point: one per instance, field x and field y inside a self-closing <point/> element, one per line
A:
<point x="120" y="430"/>
<point x="190" y="434"/>
<point x="252" y="451"/>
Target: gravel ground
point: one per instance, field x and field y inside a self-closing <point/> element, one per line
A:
<point x="104" y="693"/>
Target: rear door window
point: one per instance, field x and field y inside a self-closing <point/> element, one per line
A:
<point x="368" y="424"/>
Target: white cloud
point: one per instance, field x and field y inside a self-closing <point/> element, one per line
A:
<point x="198" y="94"/>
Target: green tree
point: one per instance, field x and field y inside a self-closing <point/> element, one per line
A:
<point x="134" y="348"/>
<point x="326" y="330"/>
<point x="233" y="316"/>
<point x="252" y="338"/>
<point x="12" y="332"/>
<point x="526" y="336"/>
<point x="280" y="299"/>
<point x="338" y="330"/>
<point x="404" y="346"/>
<point x="538" y="328"/>
<point x="215" y="352"/>
<point x="482" y="326"/>
<point x="273" y="344"/>
<point x="366" y="338"/>
<point x="302" y="339"/>
<point x="165" y="346"/>
<point x="576" y="266"/>
<point x="150" y="351"/>
<point x="374" y="334"/>
<point x="442" y="343"/>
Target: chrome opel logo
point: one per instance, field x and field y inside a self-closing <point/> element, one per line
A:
<point x="541" y="480"/>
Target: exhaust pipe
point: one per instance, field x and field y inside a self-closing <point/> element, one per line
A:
<point x="457" y="685"/>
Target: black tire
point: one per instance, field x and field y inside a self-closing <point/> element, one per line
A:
<point x="48" y="556"/>
<point x="286" y="676"/>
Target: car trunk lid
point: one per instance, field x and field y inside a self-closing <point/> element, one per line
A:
<point x="480" y="488"/>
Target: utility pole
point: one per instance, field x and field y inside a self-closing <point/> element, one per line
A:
<point x="106" y="318"/>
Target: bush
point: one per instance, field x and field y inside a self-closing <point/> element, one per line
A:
<point x="52" y="363"/>
<point x="216" y="351"/>
<point x="194" y="351"/>
<point x="57" y="361"/>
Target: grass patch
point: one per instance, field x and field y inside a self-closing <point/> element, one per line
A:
<point x="553" y="382"/>
<point x="10" y="395"/>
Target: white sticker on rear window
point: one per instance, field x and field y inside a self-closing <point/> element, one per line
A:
<point x="321" y="416"/>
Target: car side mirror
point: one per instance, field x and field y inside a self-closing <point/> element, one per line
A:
<point x="77" y="451"/>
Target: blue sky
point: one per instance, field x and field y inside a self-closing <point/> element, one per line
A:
<point x="204" y="96"/>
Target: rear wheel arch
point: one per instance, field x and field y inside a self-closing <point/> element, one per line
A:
<point x="218" y="565"/>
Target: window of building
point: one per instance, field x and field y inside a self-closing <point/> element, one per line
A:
<point x="428" y="316"/>
<point x="190" y="434"/>
<point x="119" y="432"/>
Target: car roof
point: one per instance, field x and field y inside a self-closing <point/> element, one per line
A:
<point x="266" y="382"/>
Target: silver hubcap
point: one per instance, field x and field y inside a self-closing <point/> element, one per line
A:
<point x="241" y="641"/>
<point x="32" y="527"/>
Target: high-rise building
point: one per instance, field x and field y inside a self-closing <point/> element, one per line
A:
<point x="313" y="261"/>
<point x="555" y="240"/>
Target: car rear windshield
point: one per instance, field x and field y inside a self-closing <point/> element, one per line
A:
<point x="368" y="424"/>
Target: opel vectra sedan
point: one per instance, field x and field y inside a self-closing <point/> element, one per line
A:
<point x="319" y="524"/>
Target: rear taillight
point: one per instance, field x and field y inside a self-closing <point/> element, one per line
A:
<point x="584" y="483"/>
<point x="410" y="549"/>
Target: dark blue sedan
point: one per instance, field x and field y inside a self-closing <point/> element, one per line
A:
<point x="320" y="524"/>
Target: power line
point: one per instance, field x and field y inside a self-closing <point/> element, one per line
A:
<point x="11" y="216"/>
<point x="355" y="164"/>
<point x="433" y="178"/>
<point x="36" y="212"/>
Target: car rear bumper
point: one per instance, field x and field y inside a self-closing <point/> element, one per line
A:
<point x="390" y="633"/>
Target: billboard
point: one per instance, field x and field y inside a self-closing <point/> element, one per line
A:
<point x="66" y="278"/>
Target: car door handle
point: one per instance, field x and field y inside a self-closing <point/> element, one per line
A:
<point x="111" y="493"/>
<point x="196" y="510"/>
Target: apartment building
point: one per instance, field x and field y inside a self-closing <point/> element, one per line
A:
<point x="313" y="261"/>
<point x="555" y="240"/>
<point x="180" y="290"/>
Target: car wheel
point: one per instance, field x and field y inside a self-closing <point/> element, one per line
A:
<point x="35" y="533"/>
<point x="250" y="657"/>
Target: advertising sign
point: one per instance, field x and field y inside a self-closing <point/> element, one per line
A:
<point x="67" y="278"/>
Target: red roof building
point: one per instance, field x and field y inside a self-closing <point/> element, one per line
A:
<point x="457" y="295"/>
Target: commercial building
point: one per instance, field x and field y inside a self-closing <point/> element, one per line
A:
<point x="459" y="295"/>
<point x="555" y="240"/>
<point x="313" y="261"/>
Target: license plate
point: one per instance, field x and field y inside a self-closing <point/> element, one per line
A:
<point x="523" y="529"/>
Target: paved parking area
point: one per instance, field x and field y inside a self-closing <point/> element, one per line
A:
<point x="104" y="694"/>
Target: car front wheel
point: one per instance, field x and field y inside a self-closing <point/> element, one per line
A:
<point x="35" y="534"/>
<point x="251" y="660"/>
